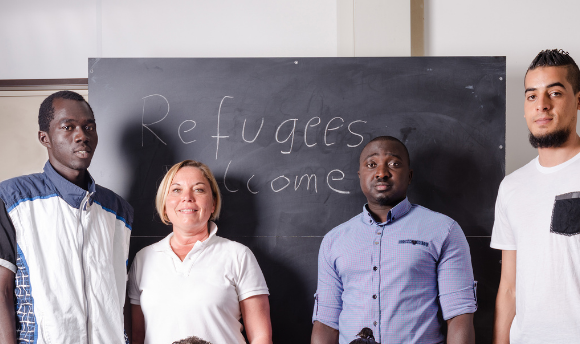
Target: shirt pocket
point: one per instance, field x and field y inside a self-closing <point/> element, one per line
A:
<point x="566" y="214"/>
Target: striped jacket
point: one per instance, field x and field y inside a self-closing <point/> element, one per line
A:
<point x="68" y="248"/>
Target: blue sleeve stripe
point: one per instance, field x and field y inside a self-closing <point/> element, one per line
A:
<point x="29" y="199"/>
<point x="119" y="217"/>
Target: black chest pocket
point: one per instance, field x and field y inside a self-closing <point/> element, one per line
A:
<point x="566" y="214"/>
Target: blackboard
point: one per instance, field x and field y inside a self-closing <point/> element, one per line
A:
<point x="283" y="137"/>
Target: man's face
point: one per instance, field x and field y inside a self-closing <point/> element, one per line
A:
<point x="384" y="173"/>
<point x="72" y="137"/>
<point x="550" y="106"/>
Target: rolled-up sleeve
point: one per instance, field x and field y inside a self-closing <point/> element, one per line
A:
<point x="328" y="297"/>
<point x="457" y="289"/>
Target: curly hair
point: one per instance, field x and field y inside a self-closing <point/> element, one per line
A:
<point x="191" y="340"/>
<point x="558" y="58"/>
<point x="46" y="111"/>
<point x="365" y="337"/>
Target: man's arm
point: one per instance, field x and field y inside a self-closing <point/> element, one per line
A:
<point x="322" y="334"/>
<point x="505" y="303"/>
<point x="7" y="316"/>
<point x="328" y="298"/>
<point x="460" y="329"/>
<point x="127" y="318"/>
<point x="137" y="325"/>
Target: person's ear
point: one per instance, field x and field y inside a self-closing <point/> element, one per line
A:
<point x="410" y="176"/>
<point x="44" y="138"/>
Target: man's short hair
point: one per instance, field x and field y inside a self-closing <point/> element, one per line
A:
<point x="391" y="138"/>
<point x="191" y="340"/>
<point x="558" y="58"/>
<point x="46" y="111"/>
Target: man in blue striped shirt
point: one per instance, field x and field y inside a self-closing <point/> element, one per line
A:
<point x="395" y="266"/>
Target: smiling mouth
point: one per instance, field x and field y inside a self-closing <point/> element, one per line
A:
<point x="83" y="153"/>
<point x="187" y="211"/>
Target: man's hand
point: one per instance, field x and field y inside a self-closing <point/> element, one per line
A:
<point x="322" y="334"/>
<point x="460" y="329"/>
<point x="505" y="303"/>
<point x="7" y="316"/>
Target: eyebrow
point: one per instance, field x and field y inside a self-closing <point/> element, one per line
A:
<point x="549" y="86"/>
<point x="193" y="184"/>
<point x="69" y="120"/>
<point x="375" y="154"/>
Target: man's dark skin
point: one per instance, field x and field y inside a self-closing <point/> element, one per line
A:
<point x="70" y="141"/>
<point x="385" y="175"/>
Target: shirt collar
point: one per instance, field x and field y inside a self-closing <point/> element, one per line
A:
<point x="165" y="246"/>
<point x="72" y="194"/>
<point x="395" y="213"/>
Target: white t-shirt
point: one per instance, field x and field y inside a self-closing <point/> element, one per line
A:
<point x="538" y="214"/>
<point x="197" y="297"/>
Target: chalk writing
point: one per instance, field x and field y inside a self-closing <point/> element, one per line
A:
<point x="146" y="126"/>
<point x="281" y="182"/>
<point x="255" y="137"/>
<point x="291" y="135"/>
<point x="327" y="129"/>
<point x="185" y="131"/>
<point x="218" y="136"/>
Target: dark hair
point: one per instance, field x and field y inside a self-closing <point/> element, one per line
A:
<point x="558" y="58"/>
<point x="46" y="111"/>
<point x="191" y="340"/>
<point x="365" y="336"/>
<point x="394" y="139"/>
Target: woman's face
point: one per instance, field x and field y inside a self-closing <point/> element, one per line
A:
<point x="189" y="203"/>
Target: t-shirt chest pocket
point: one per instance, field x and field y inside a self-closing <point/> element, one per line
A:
<point x="566" y="214"/>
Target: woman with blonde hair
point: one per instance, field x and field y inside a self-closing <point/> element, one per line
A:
<point x="194" y="282"/>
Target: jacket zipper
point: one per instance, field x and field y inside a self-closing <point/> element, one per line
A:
<point x="84" y="204"/>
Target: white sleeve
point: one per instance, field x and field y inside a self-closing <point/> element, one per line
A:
<point x="133" y="290"/>
<point x="251" y="281"/>
<point x="502" y="236"/>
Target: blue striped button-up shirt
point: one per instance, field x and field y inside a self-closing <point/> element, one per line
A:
<point x="394" y="277"/>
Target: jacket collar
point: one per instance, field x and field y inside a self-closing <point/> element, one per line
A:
<point x="395" y="213"/>
<point x="72" y="194"/>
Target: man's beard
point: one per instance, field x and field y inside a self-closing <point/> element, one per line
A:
<point x="551" y="140"/>
<point x="383" y="201"/>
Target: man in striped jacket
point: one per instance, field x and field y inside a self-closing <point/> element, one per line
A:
<point x="64" y="240"/>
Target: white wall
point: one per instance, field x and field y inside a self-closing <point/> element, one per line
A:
<point x="53" y="39"/>
<point x="518" y="29"/>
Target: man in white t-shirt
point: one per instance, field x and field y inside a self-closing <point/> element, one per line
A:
<point x="537" y="215"/>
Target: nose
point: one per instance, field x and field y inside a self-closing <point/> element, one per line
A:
<point x="382" y="171"/>
<point x="81" y="135"/>
<point x="187" y="196"/>
<point x="544" y="102"/>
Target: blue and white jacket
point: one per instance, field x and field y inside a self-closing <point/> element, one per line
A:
<point x="68" y="248"/>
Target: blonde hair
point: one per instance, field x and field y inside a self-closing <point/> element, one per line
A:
<point x="163" y="189"/>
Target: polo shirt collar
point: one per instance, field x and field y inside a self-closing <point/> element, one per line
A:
<point x="394" y="214"/>
<point x="72" y="194"/>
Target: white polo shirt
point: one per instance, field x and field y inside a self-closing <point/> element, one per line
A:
<point x="199" y="296"/>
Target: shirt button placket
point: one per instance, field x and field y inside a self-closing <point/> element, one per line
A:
<point x="377" y="285"/>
